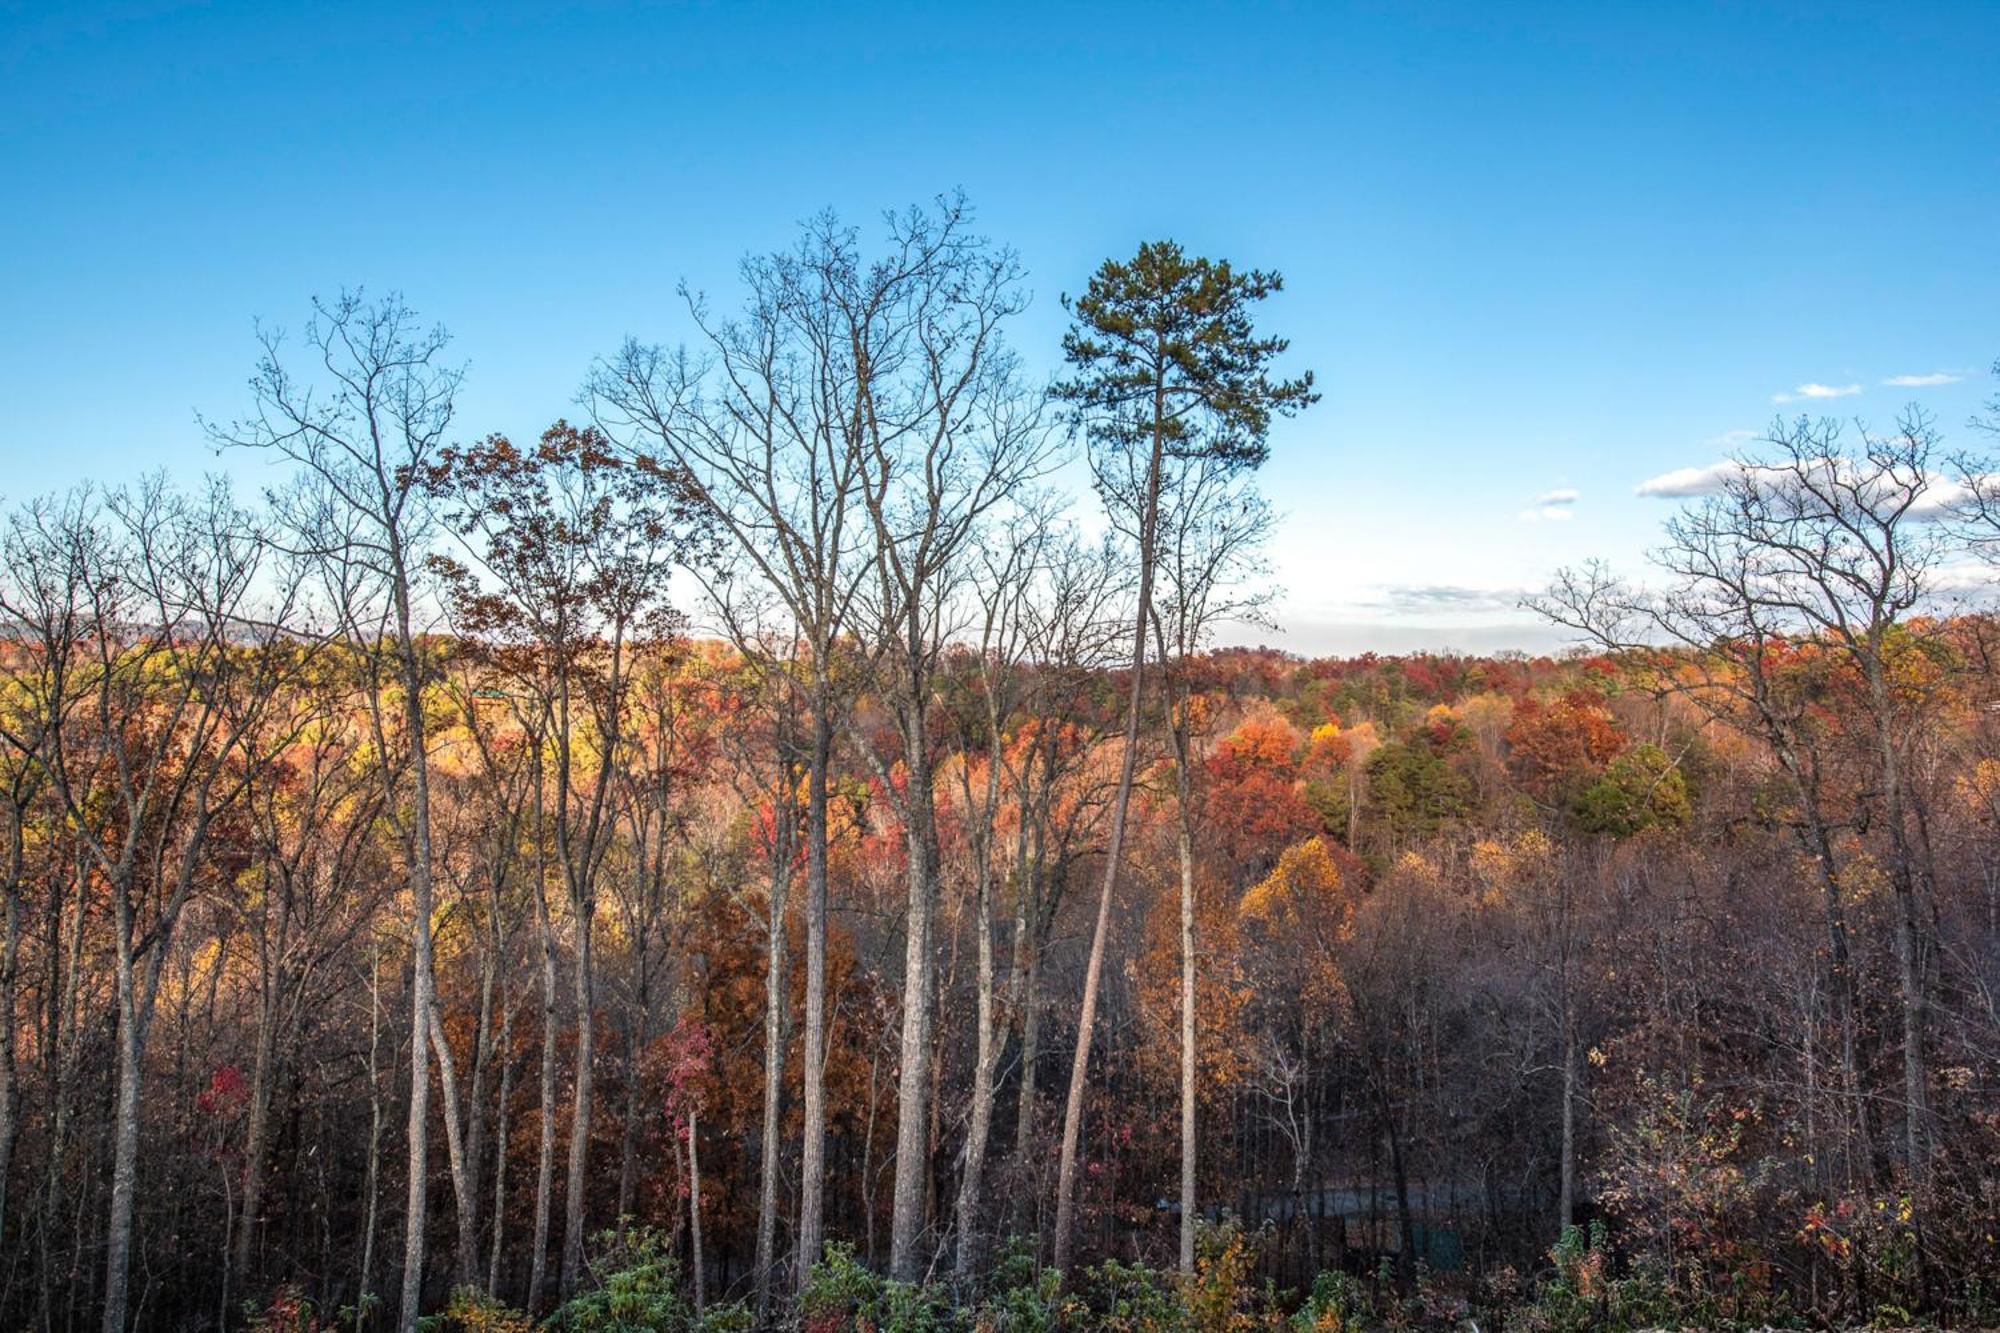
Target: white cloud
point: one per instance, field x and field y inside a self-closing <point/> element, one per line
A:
<point x="1939" y="497"/>
<point x="1930" y="381"/>
<point x="1554" y="506"/>
<point x="1683" y="483"/>
<point x="1817" y="391"/>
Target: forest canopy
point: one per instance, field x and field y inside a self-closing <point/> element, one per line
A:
<point x="768" y="850"/>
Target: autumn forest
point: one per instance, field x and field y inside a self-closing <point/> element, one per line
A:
<point x="791" y="845"/>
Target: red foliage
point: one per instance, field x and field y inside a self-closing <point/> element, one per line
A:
<point x="1554" y="746"/>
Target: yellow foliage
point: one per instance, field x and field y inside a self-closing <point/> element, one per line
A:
<point x="1305" y="878"/>
<point x="1981" y="787"/>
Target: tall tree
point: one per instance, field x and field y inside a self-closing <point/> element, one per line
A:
<point x="363" y="425"/>
<point x="1168" y="371"/>
<point x="766" y="431"/>
<point x="949" y="432"/>
<point x="577" y="541"/>
<point x="1213" y="528"/>
<point x="1818" y="546"/>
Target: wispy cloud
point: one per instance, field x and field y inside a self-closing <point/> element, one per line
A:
<point x="1930" y="381"/>
<point x="1554" y="506"/>
<point x="1428" y="599"/>
<point x="1815" y="390"/>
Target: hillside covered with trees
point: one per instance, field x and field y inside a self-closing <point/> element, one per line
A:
<point x="772" y="850"/>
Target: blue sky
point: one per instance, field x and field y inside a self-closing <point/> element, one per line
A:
<point x="1529" y="250"/>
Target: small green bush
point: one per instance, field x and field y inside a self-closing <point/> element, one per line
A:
<point x="638" y="1291"/>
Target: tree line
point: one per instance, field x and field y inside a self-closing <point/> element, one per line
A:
<point x="771" y="821"/>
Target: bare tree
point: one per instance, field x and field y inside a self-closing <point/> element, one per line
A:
<point x="363" y="426"/>
<point x="1825" y="541"/>
<point x="765" y="430"/>
<point x="1009" y="572"/>
<point x="172" y="662"/>
<point x="1213" y="528"/>
<point x="948" y="432"/>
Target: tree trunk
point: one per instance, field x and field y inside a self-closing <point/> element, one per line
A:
<point x="500" y="1142"/>
<point x="579" y="1121"/>
<point x="423" y="984"/>
<point x="371" y="1187"/>
<point x="545" y="1160"/>
<point x="694" y="1217"/>
<point x="1569" y="1093"/>
<point x="1909" y="944"/>
<point x="258" y="1113"/>
<point x="1079" y="1070"/>
<point x="906" y="1226"/>
<point x="777" y="988"/>
<point x="10" y="964"/>
<point x="125" y="1133"/>
<point x="812" y="1153"/>
<point x="985" y="1062"/>
<point x="1188" y="1141"/>
<point x="628" y="1128"/>
<point x="465" y="1204"/>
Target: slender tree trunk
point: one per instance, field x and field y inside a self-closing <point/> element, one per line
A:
<point x="10" y="965"/>
<point x="812" y="1154"/>
<point x="125" y="1132"/>
<point x="1188" y="1141"/>
<point x="628" y="1127"/>
<point x="694" y="1216"/>
<point x="906" y="1226"/>
<point x="579" y="1121"/>
<point x="423" y="986"/>
<point x="1569" y="1099"/>
<point x="501" y="1115"/>
<point x="985" y="1063"/>
<point x="1079" y="1070"/>
<point x="1031" y="1046"/>
<point x="545" y="1159"/>
<point x="1903" y="879"/>
<point x="475" y="1122"/>
<point x="777" y="989"/>
<point x="464" y="1201"/>
<point x="370" y="1187"/>
<point x="255" y="1147"/>
<point x="1406" y="1256"/>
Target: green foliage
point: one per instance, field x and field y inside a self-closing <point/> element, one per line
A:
<point x="1338" y="1304"/>
<point x="1164" y="343"/>
<point x="1023" y="1296"/>
<point x="842" y="1293"/>
<point x="1641" y="789"/>
<point x="1328" y="799"/>
<point x="638" y="1291"/>
<point x="1413" y="792"/>
<point x="1581" y="1295"/>
<point x="1129" y="1298"/>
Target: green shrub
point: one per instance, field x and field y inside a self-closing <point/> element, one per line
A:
<point x="1338" y="1304"/>
<point x="636" y="1291"/>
